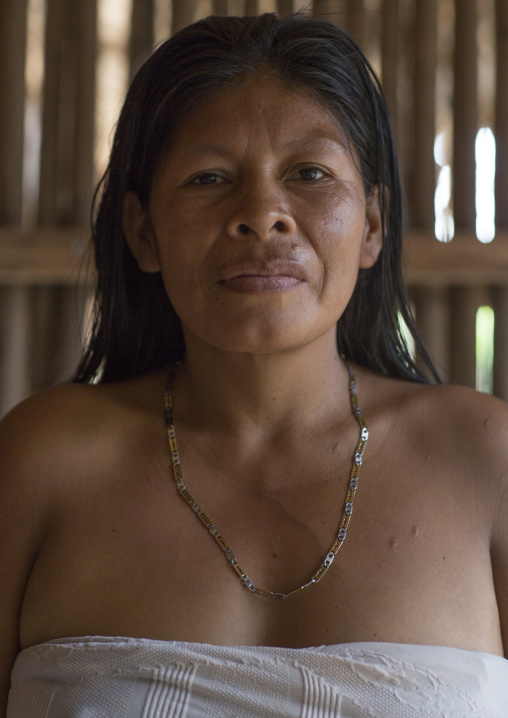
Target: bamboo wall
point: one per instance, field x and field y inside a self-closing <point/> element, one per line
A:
<point x="435" y="74"/>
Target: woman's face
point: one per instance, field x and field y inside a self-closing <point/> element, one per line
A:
<point x="258" y="220"/>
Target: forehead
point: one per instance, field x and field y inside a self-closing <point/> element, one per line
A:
<point x="255" y="107"/>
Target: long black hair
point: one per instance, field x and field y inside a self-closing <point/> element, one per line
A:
<point x="135" y="328"/>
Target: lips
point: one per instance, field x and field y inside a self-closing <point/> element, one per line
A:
<point x="264" y="268"/>
<point x="258" y="276"/>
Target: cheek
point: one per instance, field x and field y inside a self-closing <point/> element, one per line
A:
<point x="186" y="273"/>
<point x="339" y="239"/>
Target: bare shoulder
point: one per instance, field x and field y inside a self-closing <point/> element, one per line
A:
<point x="468" y="424"/>
<point x="472" y="428"/>
<point x="69" y="420"/>
<point x="69" y="437"/>
<point x="458" y="434"/>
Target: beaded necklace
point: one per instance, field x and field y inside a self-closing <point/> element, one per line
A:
<point x="348" y="504"/>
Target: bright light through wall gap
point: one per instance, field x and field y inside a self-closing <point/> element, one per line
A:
<point x="485" y="153"/>
<point x="444" y="226"/>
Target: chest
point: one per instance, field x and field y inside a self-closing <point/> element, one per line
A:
<point x="134" y="559"/>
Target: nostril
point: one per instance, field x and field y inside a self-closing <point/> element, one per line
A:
<point x="279" y="226"/>
<point x="243" y="229"/>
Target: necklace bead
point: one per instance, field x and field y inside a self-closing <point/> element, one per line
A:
<point x="230" y="556"/>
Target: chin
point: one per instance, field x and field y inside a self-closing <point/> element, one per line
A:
<point x="269" y="338"/>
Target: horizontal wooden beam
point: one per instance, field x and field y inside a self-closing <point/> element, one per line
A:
<point x="43" y="256"/>
<point x="463" y="262"/>
<point x="59" y="256"/>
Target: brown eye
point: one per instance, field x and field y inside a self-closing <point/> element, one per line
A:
<point x="310" y="174"/>
<point x="208" y="178"/>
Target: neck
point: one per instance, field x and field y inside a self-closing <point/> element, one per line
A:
<point x="273" y="392"/>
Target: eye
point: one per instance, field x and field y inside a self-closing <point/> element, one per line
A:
<point x="207" y="178"/>
<point x="310" y="174"/>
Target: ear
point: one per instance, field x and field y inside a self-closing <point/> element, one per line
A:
<point x="139" y="234"/>
<point x="372" y="242"/>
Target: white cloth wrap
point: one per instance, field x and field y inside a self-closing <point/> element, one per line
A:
<point x="139" y="678"/>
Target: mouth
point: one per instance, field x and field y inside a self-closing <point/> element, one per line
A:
<point x="263" y="276"/>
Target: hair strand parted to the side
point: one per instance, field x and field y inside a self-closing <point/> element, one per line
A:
<point x="135" y="329"/>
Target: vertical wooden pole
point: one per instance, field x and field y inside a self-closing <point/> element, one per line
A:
<point x="184" y="13"/>
<point x="465" y="304"/>
<point x="57" y="335"/>
<point x="252" y="7"/>
<point x="221" y="7"/>
<point x="390" y="57"/>
<point x="500" y="368"/>
<point x="501" y="114"/>
<point x="432" y="310"/>
<point x="14" y="304"/>
<point x="404" y="91"/>
<point x="285" y="7"/>
<point x="84" y="139"/>
<point x="12" y="90"/>
<point x="501" y="133"/>
<point x="465" y="122"/>
<point x="332" y="10"/>
<point x="355" y="21"/>
<point x="67" y="171"/>
<point x="16" y="382"/>
<point x="141" y="40"/>
<point x="465" y="114"/>
<point x="431" y="304"/>
<point x="424" y="180"/>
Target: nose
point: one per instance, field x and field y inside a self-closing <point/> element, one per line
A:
<point x="260" y="214"/>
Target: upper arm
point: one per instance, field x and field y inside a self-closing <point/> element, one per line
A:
<point x="20" y="523"/>
<point x="489" y="444"/>
<point x="478" y="443"/>
<point x="37" y="442"/>
<point x="500" y="554"/>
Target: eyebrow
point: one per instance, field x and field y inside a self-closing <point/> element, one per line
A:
<point x="299" y="143"/>
<point x="213" y="150"/>
<point x="313" y="139"/>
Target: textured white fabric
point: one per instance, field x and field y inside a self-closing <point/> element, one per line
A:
<point x="138" y="678"/>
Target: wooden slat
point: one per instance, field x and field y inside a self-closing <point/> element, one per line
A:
<point x="465" y="114"/>
<point x="142" y="39"/>
<point x="390" y="57"/>
<point x="501" y="132"/>
<point x="465" y="125"/>
<point x="229" y="7"/>
<point x="464" y="305"/>
<point x="355" y="21"/>
<point x="252" y="7"/>
<point x="42" y="256"/>
<point x="500" y="368"/>
<point x="14" y="312"/>
<point x="501" y="114"/>
<point x="184" y="13"/>
<point x="332" y="10"/>
<point x="285" y="7"/>
<point x="463" y="262"/>
<point x="84" y="141"/>
<point x="12" y="92"/>
<point x="67" y="170"/>
<point x="405" y="99"/>
<point x="57" y="337"/>
<point x="15" y="380"/>
<point x="432" y="313"/>
<point x="430" y="304"/>
<point x="424" y="178"/>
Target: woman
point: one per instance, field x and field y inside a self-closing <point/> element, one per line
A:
<point x="247" y="240"/>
